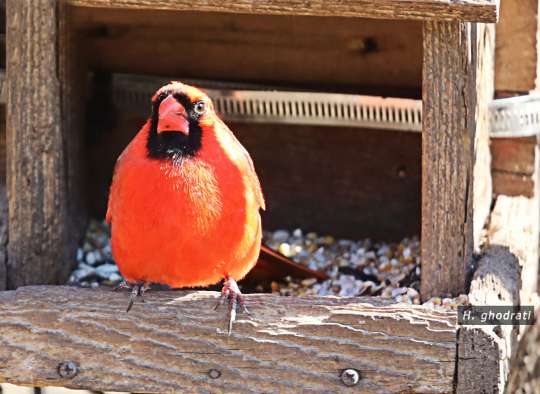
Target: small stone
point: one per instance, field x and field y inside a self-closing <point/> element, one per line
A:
<point x="399" y="291"/>
<point x="80" y="255"/>
<point x="106" y="270"/>
<point x="285" y="249"/>
<point x="297" y="233"/>
<point x="311" y="236"/>
<point x="328" y="240"/>
<point x="281" y="235"/>
<point x="91" y="258"/>
<point x="82" y="272"/>
<point x="309" y="282"/>
<point x="114" y="277"/>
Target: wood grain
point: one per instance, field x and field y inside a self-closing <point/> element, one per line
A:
<point x="524" y="374"/>
<point x="496" y="281"/>
<point x="447" y="156"/>
<point x="517" y="65"/>
<point x="478" y="369"/>
<point x="3" y="201"/>
<point x="171" y="342"/>
<point x="73" y="69"/>
<point x="467" y="10"/>
<point x="350" y="54"/>
<point x="514" y="223"/>
<point x="35" y="155"/>
<point x="3" y="236"/>
<point x="484" y="78"/>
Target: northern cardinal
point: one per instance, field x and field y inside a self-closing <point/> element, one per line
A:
<point x="184" y="201"/>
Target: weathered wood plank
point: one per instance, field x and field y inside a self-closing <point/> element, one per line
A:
<point x="517" y="65"/>
<point x="3" y="200"/>
<point x="478" y="361"/>
<point x="482" y="182"/>
<point x="496" y="281"/>
<point x="3" y="235"/>
<point x="514" y="223"/>
<point x="35" y="154"/>
<point x="343" y="53"/>
<point x="468" y="10"/>
<point x="73" y="68"/>
<point x="455" y="154"/>
<point x="174" y="341"/>
<point x="524" y="374"/>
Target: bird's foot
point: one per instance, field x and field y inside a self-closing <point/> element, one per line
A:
<point x="137" y="290"/>
<point x="231" y="293"/>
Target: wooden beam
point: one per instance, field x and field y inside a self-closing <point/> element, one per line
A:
<point x="514" y="223"/>
<point x="175" y="341"/>
<point x="36" y="166"/>
<point x="467" y="10"/>
<point x="277" y="55"/>
<point x="517" y="62"/>
<point x="456" y="183"/>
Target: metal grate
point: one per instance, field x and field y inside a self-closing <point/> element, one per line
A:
<point x="515" y="116"/>
<point x="325" y="109"/>
<point x="510" y="117"/>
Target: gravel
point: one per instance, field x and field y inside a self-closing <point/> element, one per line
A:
<point x="354" y="267"/>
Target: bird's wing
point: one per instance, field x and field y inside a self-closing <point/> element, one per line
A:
<point x="254" y="182"/>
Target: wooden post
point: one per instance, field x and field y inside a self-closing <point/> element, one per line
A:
<point x="39" y="159"/>
<point x="455" y="157"/>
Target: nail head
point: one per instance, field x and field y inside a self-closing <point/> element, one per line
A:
<point x="214" y="373"/>
<point x="68" y="369"/>
<point x="350" y="377"/>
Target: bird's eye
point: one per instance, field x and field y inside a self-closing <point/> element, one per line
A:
<point x="200" y="108"/>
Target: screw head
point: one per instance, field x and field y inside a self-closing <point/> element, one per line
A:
<point x="214" y="373"/>
<point x="350" y="377"/>
<point x="68" y="369"/>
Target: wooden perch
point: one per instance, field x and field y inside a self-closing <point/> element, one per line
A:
<point x="466" y="10"/>
<point x="176" y="342"/>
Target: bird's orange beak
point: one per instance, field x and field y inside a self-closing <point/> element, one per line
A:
<point x="172" y="117"/>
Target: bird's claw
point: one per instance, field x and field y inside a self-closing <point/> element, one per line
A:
<point x="232" y="294"/>
<point x="137" y="290"/>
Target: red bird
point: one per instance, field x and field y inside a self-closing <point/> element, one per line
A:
<point x="184" y="201"/>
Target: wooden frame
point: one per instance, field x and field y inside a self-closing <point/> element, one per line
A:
<point x="91" y="346"/>
<point x="456" y="182"/>
<point x="465" y="10"/>
<point x="43" y="144"/>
